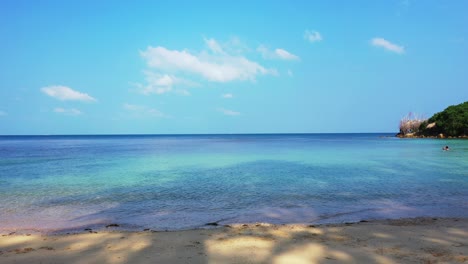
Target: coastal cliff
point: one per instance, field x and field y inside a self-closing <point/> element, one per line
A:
<point x="450" y="123"/>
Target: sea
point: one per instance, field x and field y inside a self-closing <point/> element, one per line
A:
<point x="61" y="184"/>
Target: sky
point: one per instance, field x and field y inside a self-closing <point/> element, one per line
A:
<point x="202" y="67"/>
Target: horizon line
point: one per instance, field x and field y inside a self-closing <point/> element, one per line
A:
<point x="193" y="134"/>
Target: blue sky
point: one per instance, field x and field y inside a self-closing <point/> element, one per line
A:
<point x="163" y="67"/>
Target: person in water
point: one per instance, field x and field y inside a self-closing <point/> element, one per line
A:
<point x="446" y="148"/>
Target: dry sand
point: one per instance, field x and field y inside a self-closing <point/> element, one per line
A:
<point x="418" y="240"/>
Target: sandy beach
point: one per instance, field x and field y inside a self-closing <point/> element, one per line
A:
<point x="416" y="240"/>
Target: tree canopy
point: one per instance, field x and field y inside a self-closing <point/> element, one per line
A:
<point x="453" y="121"/>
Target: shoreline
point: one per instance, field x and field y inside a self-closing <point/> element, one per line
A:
<point x="116" y="227"/>
<point x="440" y="136"/>
<point x="419" y="240"/>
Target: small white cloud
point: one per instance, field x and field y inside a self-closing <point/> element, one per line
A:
<point x="383" y="43"/>
<point x="277" y="54"/>
<point x="227" y="96"/>
<point x="214" y="46"/>
<point x="71" y="111"/>
<point x="312" y="36"/>
<point x="141" y="110"/>
<point x="66" y="93"/>
<point x="235" y="46"/>
<point x="156" y="83"/>
<point x="3" y="113"/>
<point x="163" y="83"/>
<point x="290" y="73"/>
<point x="285" y="55"/>
<point x="228" y="112"/>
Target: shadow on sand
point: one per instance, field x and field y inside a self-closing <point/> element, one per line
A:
<point x="417" y="240"/>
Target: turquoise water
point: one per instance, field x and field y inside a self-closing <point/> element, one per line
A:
<point x="66" y="183"/>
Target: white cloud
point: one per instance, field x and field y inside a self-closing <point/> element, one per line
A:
<point x="277" y="54"/>
<point x="214" y="46"/>
<point x="290" y="73"/>
<point x="312" y="36"/>
<point x="141" y="110"/>
<point x="163" y="83"/>
<point x="228" y="112"/>
<point x="156" y="83"/>
<point x="66" y="93"/>
<point x="235" y="46"/>
<point x="381" y="42"/>
<point x="3" y="113"/>
<point x="227" y="96"/>
<point x="217" y="66"/>
<point x="285" y="55"/>
<point x="71" y="111"/>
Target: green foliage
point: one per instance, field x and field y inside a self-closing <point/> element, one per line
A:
<point x="453" y="121"/>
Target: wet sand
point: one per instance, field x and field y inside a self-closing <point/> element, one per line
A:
<point x="416" y="240"/>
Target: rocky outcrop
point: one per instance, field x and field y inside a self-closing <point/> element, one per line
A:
<point x="431" y="125"/>
<point x="450" y="123"/>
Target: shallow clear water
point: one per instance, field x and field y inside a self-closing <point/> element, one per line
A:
<point x="64" y="183"/>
